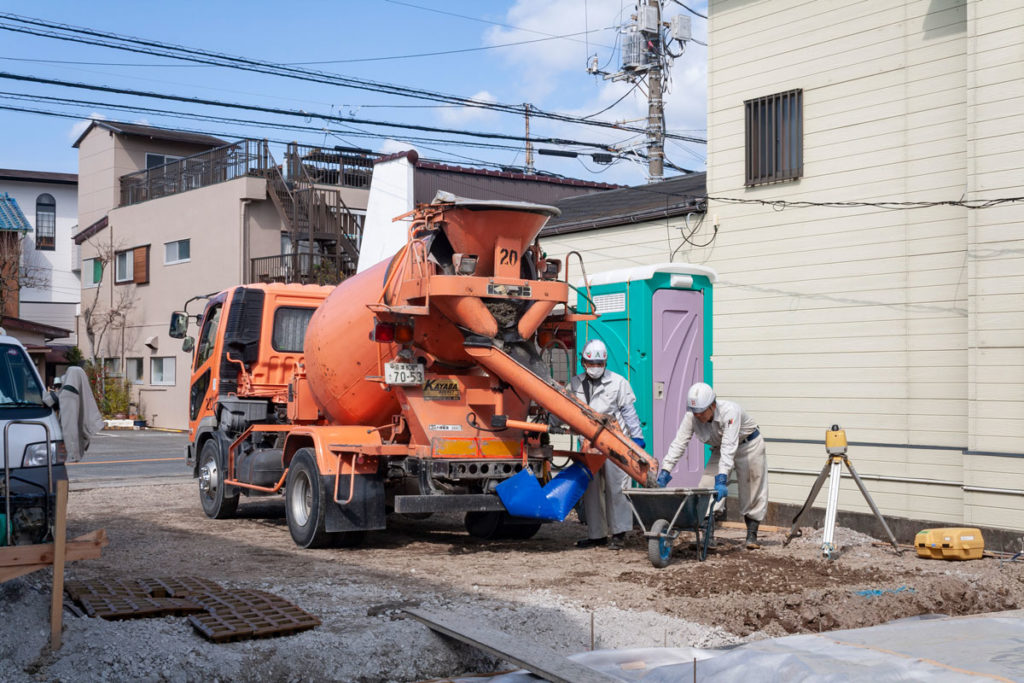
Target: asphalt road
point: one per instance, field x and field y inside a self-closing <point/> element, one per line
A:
<point x="117" y="457"/>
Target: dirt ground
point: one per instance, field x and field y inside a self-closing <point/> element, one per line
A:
<point x="543" y="589"/>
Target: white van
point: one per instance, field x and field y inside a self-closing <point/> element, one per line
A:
<point x="33" y="450"/>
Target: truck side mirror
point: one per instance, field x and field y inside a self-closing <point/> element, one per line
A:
<point x="179" y="325"/>
<point x="188" y="344"/>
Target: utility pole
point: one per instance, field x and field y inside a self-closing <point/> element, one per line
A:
<point x="647" y="55"/>
<point x="655" y="106"/>
<point x="529" y="145"/>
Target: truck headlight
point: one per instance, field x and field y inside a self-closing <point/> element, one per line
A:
<point x="35" y="454"/>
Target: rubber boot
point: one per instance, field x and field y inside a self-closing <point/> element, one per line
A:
<point x="752" y="525"/>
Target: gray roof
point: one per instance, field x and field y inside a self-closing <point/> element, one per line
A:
<point x="38" y="176"/>
<point x="673" y="197"/>
<point x="153" y="133"/>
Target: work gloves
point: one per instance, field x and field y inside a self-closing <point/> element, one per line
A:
<point x="663" y="478"/>
<point x="639" y="441"/>
<point x="721" y="486"/>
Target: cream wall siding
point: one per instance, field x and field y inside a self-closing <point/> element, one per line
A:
<point x="901" y="326"/>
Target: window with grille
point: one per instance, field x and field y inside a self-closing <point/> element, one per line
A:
<point x="92" y="272"/>
<point x="46" y="222"/>
<point x="774" y="130"/>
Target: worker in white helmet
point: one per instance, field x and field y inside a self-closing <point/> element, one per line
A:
<point x="735" y="441"/>
<point x="607" y="392"/>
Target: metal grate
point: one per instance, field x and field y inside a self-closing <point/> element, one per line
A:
<point x="774" y="132"/>
<point x="244" y="614"/>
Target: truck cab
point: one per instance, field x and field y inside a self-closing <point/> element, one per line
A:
<point x="33" y="448"/>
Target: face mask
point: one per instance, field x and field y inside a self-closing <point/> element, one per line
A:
<point x="595" y="371"/>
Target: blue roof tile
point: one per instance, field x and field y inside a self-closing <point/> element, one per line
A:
<point x="11" y="217"/>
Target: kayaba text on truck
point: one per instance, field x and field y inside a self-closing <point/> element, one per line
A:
<point x="416" y="386"/>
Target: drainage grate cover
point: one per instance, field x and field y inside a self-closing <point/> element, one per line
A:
<point x="77" y="589"/>
<point x="136" y="607"/>
<point x="245" y="614"/>
<point x="180" y="587"/>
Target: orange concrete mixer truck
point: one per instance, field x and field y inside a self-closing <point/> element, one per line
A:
<point x="416" y="386"/>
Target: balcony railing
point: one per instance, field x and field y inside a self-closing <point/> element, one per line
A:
<point x="336" y="166"/>
<point x="309" y="269"/>
<point x="243" y="158"/>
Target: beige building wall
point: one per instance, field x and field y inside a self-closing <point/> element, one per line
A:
<point x="903" y="326"/>
<point x="217" y="220"/>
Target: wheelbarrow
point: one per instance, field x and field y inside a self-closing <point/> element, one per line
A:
<point x="664" y="513"/>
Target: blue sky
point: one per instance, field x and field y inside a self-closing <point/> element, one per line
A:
<point x="369" y="40"/>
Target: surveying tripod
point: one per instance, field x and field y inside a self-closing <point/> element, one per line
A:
<point x="835" y="446"/>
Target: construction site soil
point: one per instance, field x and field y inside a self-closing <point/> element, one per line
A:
<point x="542" y="590"/>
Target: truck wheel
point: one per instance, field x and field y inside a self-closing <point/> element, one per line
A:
<point x="520" y="531"/>
<point x="305" y="502"/>
<point x="216" y="504"/>
<point x="484" y="525"/>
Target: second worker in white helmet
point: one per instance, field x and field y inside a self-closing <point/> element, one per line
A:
<point x="607" y="392"/>
<point x="735" y="441"/>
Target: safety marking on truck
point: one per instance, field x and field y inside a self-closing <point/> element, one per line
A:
<point x="445" y="428"/>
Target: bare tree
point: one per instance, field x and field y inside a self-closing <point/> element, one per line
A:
<point x="99" y="320"/>
<point x="18" y="270"/>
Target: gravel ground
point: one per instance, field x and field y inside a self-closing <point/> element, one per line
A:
<point x="541" y="590"/>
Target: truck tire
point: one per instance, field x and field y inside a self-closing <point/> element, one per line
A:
<point x="306" y="502"/>
<point x="216" y="504"/>
<point x="493" y="526"/>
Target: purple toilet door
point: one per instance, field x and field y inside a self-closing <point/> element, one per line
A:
<point x="678" y="362"/>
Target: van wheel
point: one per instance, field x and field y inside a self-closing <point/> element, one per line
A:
<point x="216" y="504"/>
<point x="306" y="502"/>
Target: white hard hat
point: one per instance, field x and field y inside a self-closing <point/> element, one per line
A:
<point x="595" y="352"/>
<point x="699" y="397"/>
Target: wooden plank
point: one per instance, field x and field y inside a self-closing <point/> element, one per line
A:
<point x="85" y="547"/>
<point x="59" y="553"/>
<point x="533" y="657"/>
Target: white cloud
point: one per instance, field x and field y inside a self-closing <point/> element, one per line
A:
<point x="463" y="115"/>
<point x="392" y="146"/>
<point x="79" y="127"/>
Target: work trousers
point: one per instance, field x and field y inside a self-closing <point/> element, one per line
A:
<point x="751" y="475"/>
<point x="614" y="517"/>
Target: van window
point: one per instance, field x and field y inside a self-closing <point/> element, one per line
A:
<point x="290" y="328"/>
<point x="19" y="383"/>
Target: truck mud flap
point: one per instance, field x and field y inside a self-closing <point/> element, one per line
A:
<point x="465" y="502"/>
<point x="365" y="511"/>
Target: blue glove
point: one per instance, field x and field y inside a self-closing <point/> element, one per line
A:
<point x="721" y="487"/>
<point x="639" y="441"/>
<point x="663" y="478"/>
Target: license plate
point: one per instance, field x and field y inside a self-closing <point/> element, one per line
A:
<point x="404" y="374"/>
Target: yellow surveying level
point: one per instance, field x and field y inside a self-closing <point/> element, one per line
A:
<point x="835" y="446"/>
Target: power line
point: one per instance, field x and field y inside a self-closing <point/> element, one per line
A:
<point x="290" y="112"/>
<point x="691" y="11"/>
<point x="157" y="48"/>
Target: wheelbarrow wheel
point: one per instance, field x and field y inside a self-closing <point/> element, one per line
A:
<point x="659" y="546"/>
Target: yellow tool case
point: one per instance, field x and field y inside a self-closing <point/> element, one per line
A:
<point x="950" y="544"/>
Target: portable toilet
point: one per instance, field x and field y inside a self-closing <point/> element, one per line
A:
<point x="656" y="322"/>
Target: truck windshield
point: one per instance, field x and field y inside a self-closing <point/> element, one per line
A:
<point x="19" y="384"/>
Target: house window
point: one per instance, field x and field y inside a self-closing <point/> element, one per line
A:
<point x="111" y="367"/>
<point x="92" y="272"/>
<point x="46" y="222"/>
<point x="176" y="252"/>
<point x="161" y="371"/>
<point x="132" y="266"/>
<point x="774" y="128"/>
<point x="154" y="160"/>
<point x="133" y="370"/>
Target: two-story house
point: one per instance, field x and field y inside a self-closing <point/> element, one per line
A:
<point x="168" y="215"/>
